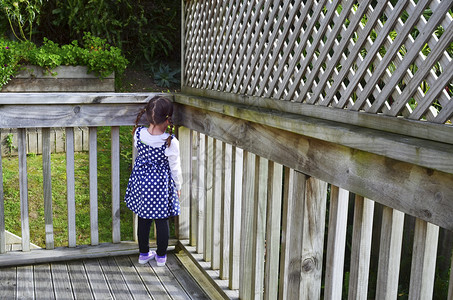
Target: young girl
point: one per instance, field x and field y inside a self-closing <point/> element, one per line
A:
<point x="155" y="183"/>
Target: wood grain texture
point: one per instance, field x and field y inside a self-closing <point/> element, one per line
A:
<point x="418" y="191"/>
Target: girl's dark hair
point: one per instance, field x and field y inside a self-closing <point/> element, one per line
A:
<point x="158" y="110"/>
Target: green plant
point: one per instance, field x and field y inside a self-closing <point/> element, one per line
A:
<point x="165" y="76"/>
<point x="95" y="53"/>
<point x="8" y="141"/>
<point x="21" y="15"/>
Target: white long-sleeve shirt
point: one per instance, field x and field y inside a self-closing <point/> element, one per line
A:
<point x="171" y="152"/>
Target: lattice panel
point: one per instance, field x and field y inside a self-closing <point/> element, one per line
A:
<point x="365" y="55"/>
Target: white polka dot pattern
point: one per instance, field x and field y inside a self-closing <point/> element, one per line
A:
<point x="151" y="192"/>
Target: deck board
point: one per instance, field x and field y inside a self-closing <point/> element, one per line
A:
<point x="119" y="277"/>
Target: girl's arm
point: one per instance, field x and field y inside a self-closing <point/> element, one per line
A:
<point x="175" y="162"/>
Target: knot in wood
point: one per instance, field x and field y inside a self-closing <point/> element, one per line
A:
<point x="76" y="109"/>
<point x="309" y="264"/>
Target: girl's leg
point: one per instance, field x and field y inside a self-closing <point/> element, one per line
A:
<point x="144" y="226"/>
<point x="163" y="234"/>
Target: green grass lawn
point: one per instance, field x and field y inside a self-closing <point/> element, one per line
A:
<point x="59" y="202"/>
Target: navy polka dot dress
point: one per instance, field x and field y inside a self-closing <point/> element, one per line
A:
<point x="151" y="191"/>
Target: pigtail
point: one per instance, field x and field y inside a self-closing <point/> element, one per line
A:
<point x="170" y="131"/>
<point x="139" y="116"/>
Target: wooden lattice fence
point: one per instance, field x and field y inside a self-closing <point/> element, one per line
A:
<point x="388" y="58"/>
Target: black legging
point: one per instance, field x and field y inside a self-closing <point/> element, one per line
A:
<point x="163" y="234"/>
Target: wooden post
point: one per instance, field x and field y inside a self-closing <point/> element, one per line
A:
<point x="186" y="157"/>
<point x="2" y="207"/>
<point x="361" y="248"/>
<point x="23" y="186"/>
<point x="336" y="242"/>
<point x="201" y="199"/>
<point x="47" y="187"/>
<point x="216" y="204"/>
<point x="208" y="199"/>
<point x="115" y="153"/>
<point x="390" y="253"/>
<point x="70" y="186"/>
<point x="273" y="227"/>
<point x="225" y="210"/>
<point x="92" y="131"/>
<point x="423" y="260"/>
<point x="235" y="217"/>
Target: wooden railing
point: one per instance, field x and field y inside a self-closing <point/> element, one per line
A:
<point x="278" y="214"/>
<point x="44" y="111"/>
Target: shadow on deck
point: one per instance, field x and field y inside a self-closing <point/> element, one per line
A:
<point x="112" y="277"/>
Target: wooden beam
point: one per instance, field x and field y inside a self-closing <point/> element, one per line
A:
<point x="421" y="152"/>
<point x="419" y="191"/>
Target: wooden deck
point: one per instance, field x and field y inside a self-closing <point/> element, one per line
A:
<point x="119" y="277"/>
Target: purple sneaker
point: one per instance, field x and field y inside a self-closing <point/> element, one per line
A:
<point x="161" y="260"/>
<point x="146" y="257"/>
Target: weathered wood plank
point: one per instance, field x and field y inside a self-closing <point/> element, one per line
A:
<point x="273" y="226"/>
<point x="131" y="277"/>
<point x="292" y="229"/>
<point x="225" y="210"/>
<point x="390" y="253"/>
<point x="216" y="204"/>
<point x="361" y="248"/>
<point x="62" y="286"/>
<point x="189" y="284"/>
<point x="43" y="284"/>
<point x="423" y="260"/>
<point x="417" y="129"/>
<point x="166" y="277"/>
<point x="336" y="242"/>
<point x="70" y="186"/>
<point x="24" y="286"/>
<point x="59" y="85"/>
<point x="261" y="177"/>
<point x="115" y="161"/>
<point x="79" y="281"/>
<point x="2" y="208"/>
<point x="193" y="222"/>
<point x="236" y="217"/>
<point x="93" y="169"/>
<point x="314" y="214"/>
<point x="247" y="219"/>
<point x="209" y="146"/>
<point x="432" y="155"/>
<point x="149" y="278"/>
<point x="116" y="282"/>
<point x="23" y="187"/>
<point x="47" y="187"/>
<point x="201" y="199"/>
<point x="414" y="190"/>
<point x="186" y="157"/>
<point x="97" y="279"/>
<point x="8" y="283"/>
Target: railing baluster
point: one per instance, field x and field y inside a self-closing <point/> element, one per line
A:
<point x="201" y="198"/>
<point x="194" y="148"/>
<point x="292" y="228"/>
<point x="336" y="242"/>
<point x="248" y="192"/>
<point x="70" y="185"/>
<point x="259" y="226"/>
<point x="390" y="253"/>
<point x="92" y="137"/>
<point x="208" y="200"/>
<point x="361" y="248"/>
<point x="184" y="135"/>
<point x="116" y="231"/>
<point x="273" y="227"/>
<point x="216" y="204"/>
<point x="2" y="207"/>
<point x="23" y="186"/>
<point x="47" y="187"/>
<point x="236" y="216"/>
<point x="225" y="210"/>
<point x="423" y="267"/>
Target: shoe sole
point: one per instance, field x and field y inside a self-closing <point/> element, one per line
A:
<point x="160" y="264"/>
